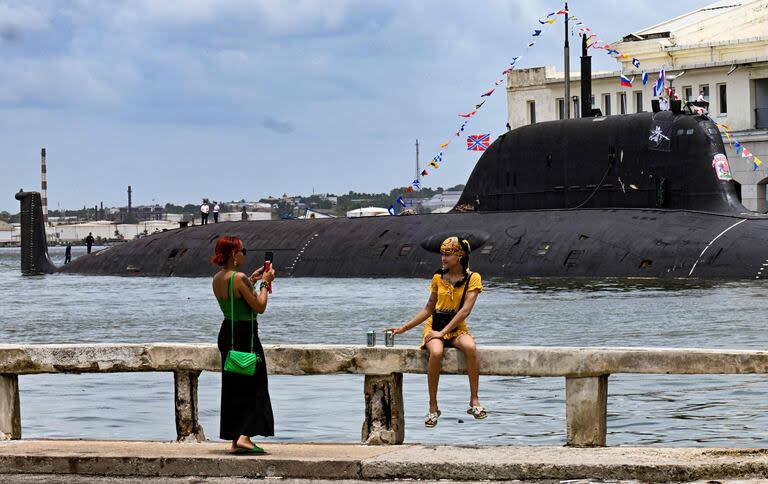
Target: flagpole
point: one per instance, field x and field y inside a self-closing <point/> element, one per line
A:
<point x="418" y="169"/>
<point x="567" y="100"/>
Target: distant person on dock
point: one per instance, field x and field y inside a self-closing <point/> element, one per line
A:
<point x="89" y="241"/>
<point x="453" y="292"/>
<point x="204" y="209"/>
<point x="246" y="408"/>
<point x="68" y="253"/>
<point x="216" y="210"/>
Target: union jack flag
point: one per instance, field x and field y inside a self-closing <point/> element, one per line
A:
<point x="478" y="142"/>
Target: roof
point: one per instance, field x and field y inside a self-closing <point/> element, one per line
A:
<point x="689" y="19"/>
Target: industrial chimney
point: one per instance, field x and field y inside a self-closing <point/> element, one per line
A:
<point x="44" y="186"/>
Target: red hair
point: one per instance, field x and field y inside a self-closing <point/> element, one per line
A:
<point x="225" y="246"/>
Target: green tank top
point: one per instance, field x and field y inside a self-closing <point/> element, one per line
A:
<point x="242" y="311"/>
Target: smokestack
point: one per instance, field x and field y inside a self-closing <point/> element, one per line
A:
<point x="129" y="200"/>
<point x="44" y="186"/>
<point x="567" y="69"/>
<point x="586" y="80"/>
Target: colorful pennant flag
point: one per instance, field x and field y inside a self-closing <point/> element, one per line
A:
<point x="536" y="33"/>
<point x="645" y="77"/>
<point x="434" y="164"/>
<point x="392" y="210"/>
<point x="478" y="142"/>
<point x="562" y="12"/>
<point x="478" y="106"/>
<point x="401" y="202"/>
<point x="489" y="92"/>
<point x="531" y="44"/>
<point x="424" y="173"/>
<point x="416" y="183"/>
<point x="745" y="153"/>
<point x="443" y="145"/>
<point x="624" y="81"/>
<point x="468" y="115"/>
<point x="635" y="62"/>
<point x="408" y="189"/>
<point x="612" y="51"/>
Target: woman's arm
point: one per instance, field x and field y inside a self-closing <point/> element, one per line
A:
<point x="420" y="317"/>
<point x="463" y="314"/>
<point x="257" y="301"/>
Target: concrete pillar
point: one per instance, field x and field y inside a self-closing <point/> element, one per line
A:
<point x="384" y="413"/>
<point x="586" y="401"/>
<point x="10" y="409"/>
<point x="188" y="428"/>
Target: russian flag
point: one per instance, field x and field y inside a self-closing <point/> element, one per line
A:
<point x="624" y="81"/>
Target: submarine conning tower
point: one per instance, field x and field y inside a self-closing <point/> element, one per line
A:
<point x="664" y="160"/>
<point x="34" y="243"/>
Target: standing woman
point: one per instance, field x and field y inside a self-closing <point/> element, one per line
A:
<point x="246" y="409"/>
<point x="453" y="292"/>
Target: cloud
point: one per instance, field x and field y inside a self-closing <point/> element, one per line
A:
<point x="278" y="126"/>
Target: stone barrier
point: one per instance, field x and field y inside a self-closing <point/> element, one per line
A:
<point x="586" y="372"/>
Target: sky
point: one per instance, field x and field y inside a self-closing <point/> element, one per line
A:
<point x="233" y="99"/>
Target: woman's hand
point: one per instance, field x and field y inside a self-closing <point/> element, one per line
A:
<point x="396" y="330"/>
<point x="433" y="335"/>
<point x="256" y="275"/>
<point x="268" y="276"/>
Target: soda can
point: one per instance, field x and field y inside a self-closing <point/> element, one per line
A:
<point x="389" y="338"/>
<point x="371" y="338"/>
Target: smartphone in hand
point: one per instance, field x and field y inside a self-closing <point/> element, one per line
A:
<point x="268" y="258"/>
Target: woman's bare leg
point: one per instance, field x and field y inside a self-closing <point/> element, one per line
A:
<point x="466" y="344"/>
<point x="435" y="348"/>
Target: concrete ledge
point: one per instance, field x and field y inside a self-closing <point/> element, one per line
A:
<point x="340" y="461"/>
<point x="328" y="359"/>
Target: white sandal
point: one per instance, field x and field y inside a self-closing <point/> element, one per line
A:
<point x="431" y="419"/>
<point x="477" y="411"/>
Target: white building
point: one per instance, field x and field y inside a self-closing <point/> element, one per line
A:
<point x="367" y="212"/>
<point x="6" y="233"/>
<point x="441" y="202"/>
<point x="107" y="230"/>
<point x="721" y="49"/>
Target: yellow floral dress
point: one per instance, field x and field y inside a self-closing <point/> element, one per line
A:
<point x="448" y="299"/>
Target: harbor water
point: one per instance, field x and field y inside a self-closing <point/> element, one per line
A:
<point x="700" y="410"/>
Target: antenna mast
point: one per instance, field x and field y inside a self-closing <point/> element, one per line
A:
<point x="567" y="69"/>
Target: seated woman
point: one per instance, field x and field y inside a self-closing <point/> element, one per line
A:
<point x="453" y="292"/>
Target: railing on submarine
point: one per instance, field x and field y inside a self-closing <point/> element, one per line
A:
<point x="586" y="372"/>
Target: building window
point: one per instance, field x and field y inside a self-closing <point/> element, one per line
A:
<point x="592" y="100"/>
<point x="622" y="102"/>
<point x="531" y="112"/>
<point x="688" y="94"/>
<point x="607" y="104"/>
<point x="576" y="107"/>
<point x="722" y="99"/>
<point x="560" y="108"/>
<point x="704" y="89"/>
<point x="638" y="101"/>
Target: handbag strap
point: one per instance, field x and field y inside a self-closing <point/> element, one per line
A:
<point x="232" y="310"/>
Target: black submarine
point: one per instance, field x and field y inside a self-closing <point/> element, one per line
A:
<point x="644" y="195"/>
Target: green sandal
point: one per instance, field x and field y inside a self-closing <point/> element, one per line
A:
<point x="243" y="451"/>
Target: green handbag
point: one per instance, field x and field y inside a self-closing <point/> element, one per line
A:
<point x="239" y="362"/>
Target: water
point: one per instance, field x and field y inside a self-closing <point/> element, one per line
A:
<point x="643" y="409"/>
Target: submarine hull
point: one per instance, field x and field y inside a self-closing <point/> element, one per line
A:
<point x="653" y="243"/>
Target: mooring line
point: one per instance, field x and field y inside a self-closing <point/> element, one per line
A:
<point x="712" y="242"/>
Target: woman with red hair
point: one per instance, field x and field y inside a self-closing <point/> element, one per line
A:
<point x="246" y="409"/>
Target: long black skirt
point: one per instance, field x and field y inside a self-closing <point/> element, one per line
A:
<point x="245" y="405"/>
